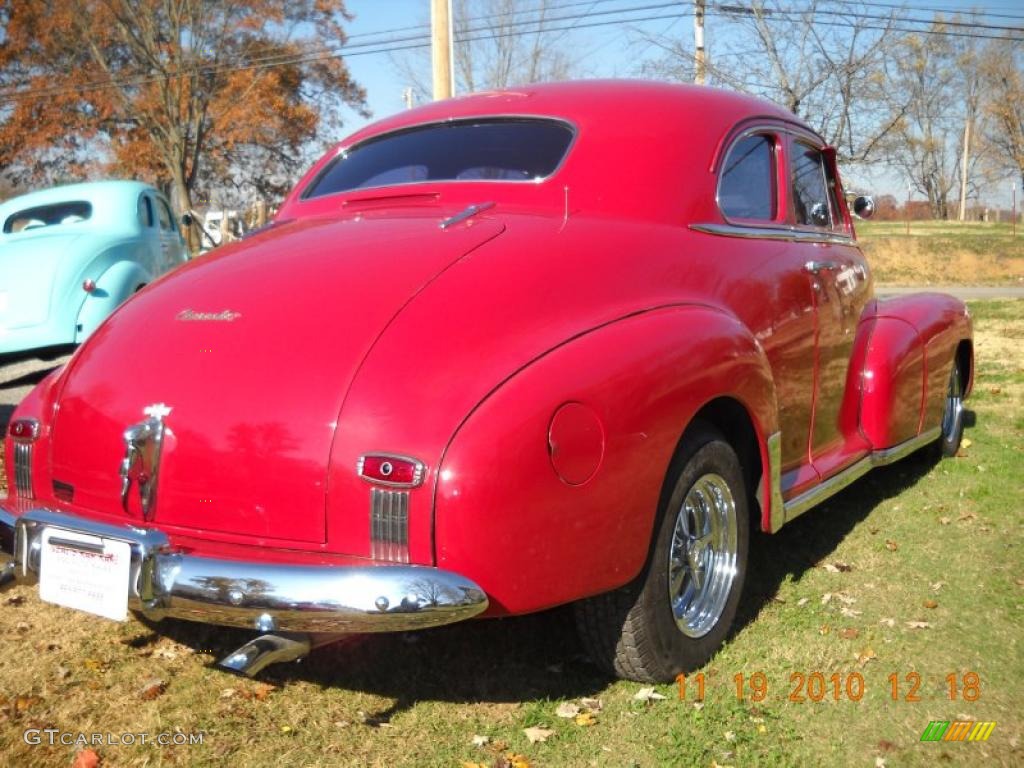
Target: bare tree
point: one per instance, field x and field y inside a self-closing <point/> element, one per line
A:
<point x="1001" y="68"/>
<point x="828" y="75"/>
<point x="498" y="44"/>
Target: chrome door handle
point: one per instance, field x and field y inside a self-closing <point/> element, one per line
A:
<point x="814" y="267"/>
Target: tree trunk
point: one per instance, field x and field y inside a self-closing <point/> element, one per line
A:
<point x="181" y="200"/>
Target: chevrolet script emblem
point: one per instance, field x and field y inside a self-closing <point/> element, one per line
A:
<point x="141" y="462"/>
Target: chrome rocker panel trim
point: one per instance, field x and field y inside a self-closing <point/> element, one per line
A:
<point x="268" y="597"/>
<point x="781" y="513"/>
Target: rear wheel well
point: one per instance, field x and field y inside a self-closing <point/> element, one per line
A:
<point x="730" y="418"/>
<point x="964" y="355"/>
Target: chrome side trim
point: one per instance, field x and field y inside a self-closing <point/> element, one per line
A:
<point x="776" y="506"/>
<point x="782" y="232"/>
<point x="833" y="485"/>
<point x="23" y="470"/>
<point x="268" y="597"/>
<point x="466" y="213"/>
<point x="389" y="525"/>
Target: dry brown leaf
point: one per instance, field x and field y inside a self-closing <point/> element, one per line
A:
<point x="824" y="629"/>
<point x="21" y="703"/>
<point x="873" y="531"/>
<point x="936" y="586"/>
<point x="967" y="517"/>
<point x="802" y="602"/>
<point x="151" y="689"/>
<point x="537" y="734"/>
<point x="830" y="568"/>
<point x="930" y="604"/>
<point x="586" y="719"/>
<point x="891" y="545"/>
<point x="966" y="443"/>
<point x="480" y="741"/>
<point x="515" y="760"/>
<point x="995" y="391"/>
<point x="886" y="746"/>
<point x="567" y="710"/>
<point x="849" y="613"/>
<point x="945" y="520"/>
<point x="592" y="705"/>
<point x="467" y="764"/>
<point x="63" y="672"/>
<point x="826" y="598"/>
<point x="15" y="600"/>
<point x="918" y="624"/>
<point x="849" y="633"/>
<point x="262" y="691"/>
<point x="887" y="622"/>
<point x="647" y="694"/>
<point x="868" y="654"/>
<point x="87" y="758"/>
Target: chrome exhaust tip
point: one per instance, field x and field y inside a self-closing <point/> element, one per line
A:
<point x="260" y="652"/>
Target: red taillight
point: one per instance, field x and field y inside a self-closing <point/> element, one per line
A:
<point x="398" y="471"/>
<point x="89" y="286"/>
<point x="24" y="430"/>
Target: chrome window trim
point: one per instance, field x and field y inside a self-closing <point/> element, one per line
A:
<point x="779" y="232"/>
<point x="829" y="191"/>
<point x="755" y="130"/>
<point x="305" y="196"/>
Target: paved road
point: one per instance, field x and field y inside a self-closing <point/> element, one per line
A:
<point x="965" y="292"/>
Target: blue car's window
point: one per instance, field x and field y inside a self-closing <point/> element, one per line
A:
<point x="505" y="149"/>
<point x="70" y="212"/>
<point x="145" y="211"/>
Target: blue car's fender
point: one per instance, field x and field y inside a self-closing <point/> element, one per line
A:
<point x="114" y="286"/>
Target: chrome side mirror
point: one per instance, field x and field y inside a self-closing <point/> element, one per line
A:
<point x="864" y="207"/>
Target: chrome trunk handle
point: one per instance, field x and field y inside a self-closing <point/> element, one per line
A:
<point x="814" y="267"/>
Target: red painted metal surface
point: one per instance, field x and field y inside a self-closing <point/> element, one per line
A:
<point x="358" y="325"/>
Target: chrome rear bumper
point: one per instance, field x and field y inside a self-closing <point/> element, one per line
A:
<point x="267" y="597"/>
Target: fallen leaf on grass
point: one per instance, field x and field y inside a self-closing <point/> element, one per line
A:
<point x="467" y="764"/>
<point x="22" y="703"/>
<point x="647" y="694"/>
<point x="879" y="762"/>
<point x="567" y="710"/>
<point x="966" y="517"/>
<point x="824" y="629"/>
<point x="802" y="602"/>
<point x="152" y="689"/>
<point x="63" y="672"/>
<point x="586" y="719"/>
<point x="944" y="521"/>
<point x="262" y="691"/>
<point x="849" y="633"/>
<point x="966" y="443"/>
<point x="87" y="758"/>
<point x="480" y="741"/>
<point x="938" y="585"/>
<point x="15" y="600"/>
<point x="730" y="736"/>
<point x="592" y="705"/>
<point x="838" y="567"/>
<point x="849" y="613"/>
<point x="918" y="624"/>
<point x="512" y="760"/>
<point x="930" y="604"/>
<point x="227" y="693"/>
<point x="865" y="656"/>
<point x="886" y="746"/>
<point x="537" y="734"/>
<point x="23" y="626"/>
<point x="887" y="622"/>
<point x="995" y="391"/>
<point x="891" y="545"/>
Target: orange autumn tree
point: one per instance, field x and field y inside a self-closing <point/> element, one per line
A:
<point x="179" y="92"/>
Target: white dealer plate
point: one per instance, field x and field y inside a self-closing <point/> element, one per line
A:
<point x="88" y="573"/>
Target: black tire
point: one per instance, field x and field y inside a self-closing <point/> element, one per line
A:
<point x="953" y="413"/>
<point x="632" y="632"/>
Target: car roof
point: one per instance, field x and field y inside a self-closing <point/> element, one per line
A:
<point x="641" y="103"/>
<point x="114" y="202"/>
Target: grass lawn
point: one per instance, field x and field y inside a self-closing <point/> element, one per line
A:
<point x="917" y="569"/>
<point x="943" y="252"/>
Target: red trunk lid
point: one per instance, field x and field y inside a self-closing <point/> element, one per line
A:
<point x="253" y="350"/>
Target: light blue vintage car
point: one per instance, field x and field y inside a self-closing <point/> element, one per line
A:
<point x="70" y="255"/>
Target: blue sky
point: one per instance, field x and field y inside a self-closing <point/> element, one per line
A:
<point x="608" y="51"/>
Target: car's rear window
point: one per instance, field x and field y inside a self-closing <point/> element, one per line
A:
<point x="506" y="149"/>
<point x="70" y="212"/>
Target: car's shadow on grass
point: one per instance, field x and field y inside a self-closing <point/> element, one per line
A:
<point x="540" y="657"/>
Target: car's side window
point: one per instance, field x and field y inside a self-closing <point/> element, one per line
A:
<point x="145" y="211"/>
<point x="746" y="189"/>
<point x="164" y="213"/>
<point x="811" y="205"/>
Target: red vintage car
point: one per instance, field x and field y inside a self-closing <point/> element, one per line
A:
<point x="559" y="344"/>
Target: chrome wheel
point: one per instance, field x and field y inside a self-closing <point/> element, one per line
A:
<point x="702" y="556"/>
<point x="953" y="414"/>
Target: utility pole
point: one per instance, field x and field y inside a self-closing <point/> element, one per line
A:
<point x="1013" y="189"/>
<point x="698" y="42"/>
<point x="963" y="169"/>
<point x="441" y="48"/>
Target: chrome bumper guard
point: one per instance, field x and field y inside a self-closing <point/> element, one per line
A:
<point x="266" y="597"/>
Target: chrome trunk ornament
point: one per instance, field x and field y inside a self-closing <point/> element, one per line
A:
<point x="141" y="462"/>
